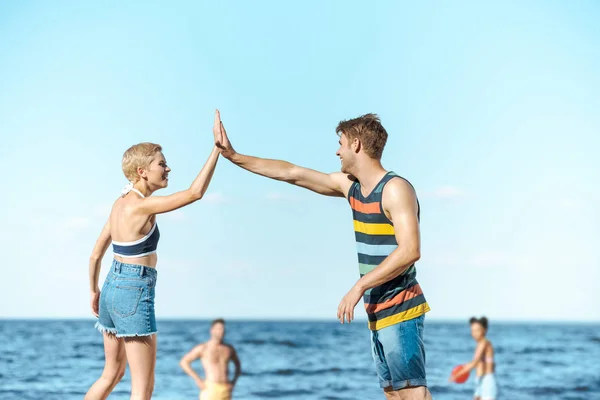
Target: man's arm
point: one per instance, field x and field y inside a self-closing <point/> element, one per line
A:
<point x="237" y="365"/>
<point x="335" y="184"/>
<point x="400" y="202"/>
<point x="186" y="364"/>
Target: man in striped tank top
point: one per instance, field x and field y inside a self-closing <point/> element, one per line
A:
<point x="386" y="224"/>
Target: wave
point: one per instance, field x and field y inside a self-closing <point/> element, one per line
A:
<point x="282" y="393"/>
<point x="259" y="342"/>
<point x="541" y="350"/>
<point x="302" y="372"/>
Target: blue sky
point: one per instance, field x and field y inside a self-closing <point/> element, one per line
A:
<point x="491" y="109"/>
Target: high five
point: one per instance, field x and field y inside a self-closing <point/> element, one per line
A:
<point x="386" y="224"/>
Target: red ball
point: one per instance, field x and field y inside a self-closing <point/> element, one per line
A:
<point x="460" y="378"/>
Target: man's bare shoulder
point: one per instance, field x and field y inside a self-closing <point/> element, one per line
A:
<point x="200" y="346"/>
<point x="399" y="184"/>
<point x="343" y="180"/>
<point x="399" y="188"/>
<point x="229" y="347"/>
<point x="196" y="352"/>
<point x="227" y="350"/>
<point x="198" y="349"/>
<point x="399" y="192"/>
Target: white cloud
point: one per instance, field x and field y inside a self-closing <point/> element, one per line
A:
<point x="441" y="259"/>
<point x="37" y="220"/>
<point x="215" y="198"/>
<point x="278" y="196"/>
<point x="481" y="259"/>
<point x="101" y="211"/>
<point x="489" y="259"/>
<point x="77" y="223"/>
<point x="569" y="203"/>
<point x="177" y="215"/>
<point x="445" y="192"/>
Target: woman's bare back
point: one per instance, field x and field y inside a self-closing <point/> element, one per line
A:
<point x="127" y="225"/>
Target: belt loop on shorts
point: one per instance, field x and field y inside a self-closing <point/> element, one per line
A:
<point x="141" y="273"/>
<point x="118" y="267"/>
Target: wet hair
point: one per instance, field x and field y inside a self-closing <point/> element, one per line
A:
<point x="217" y="321"/>
<point x="483" y="321"/>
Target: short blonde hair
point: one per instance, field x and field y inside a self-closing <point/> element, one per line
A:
<point x="138" y="156"/>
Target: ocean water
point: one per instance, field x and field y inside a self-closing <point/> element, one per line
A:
<point x="302" y="360"/>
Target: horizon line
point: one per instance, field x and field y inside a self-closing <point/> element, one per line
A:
<point x="307" y="319"/>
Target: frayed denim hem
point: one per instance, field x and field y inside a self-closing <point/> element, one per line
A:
<point x="103" y="329"/>
<point x="130" y="335"/>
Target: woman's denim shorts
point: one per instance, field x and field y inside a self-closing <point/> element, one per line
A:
<point x="127" y="301"/>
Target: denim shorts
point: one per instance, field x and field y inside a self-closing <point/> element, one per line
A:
<point x="399" y="354"/>
<point x="127" y="301"/>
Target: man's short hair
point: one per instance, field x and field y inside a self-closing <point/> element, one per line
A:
<point x="368" y="129"/>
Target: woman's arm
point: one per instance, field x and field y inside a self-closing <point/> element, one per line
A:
<point x="95" y="262"/>
<point x="466" y="368"/>
<point x="162" y="204"/>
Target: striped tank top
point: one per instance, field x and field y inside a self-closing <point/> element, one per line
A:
<point x="401" y="298"/>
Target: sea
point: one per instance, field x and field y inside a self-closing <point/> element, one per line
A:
<point x="303" y="360"/>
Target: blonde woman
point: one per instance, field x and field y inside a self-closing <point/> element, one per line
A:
<point x="125" y="305"/>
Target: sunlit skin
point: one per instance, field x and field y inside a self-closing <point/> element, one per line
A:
<point x="399" y="204"/>
<point x="215" y="356"/>
<point x="131" y="218"/>
<point x="483" y="357"/>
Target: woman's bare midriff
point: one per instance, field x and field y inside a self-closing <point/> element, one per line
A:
<point x="483" y="367"/>
<point x="148" y="261"/>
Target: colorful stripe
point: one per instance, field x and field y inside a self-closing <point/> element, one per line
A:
<point x="375" y="250"/>
<point x="365" y="268"/>
<point x="374" y="239"/>
<point x="373" y="229"/>
<point x="401" y="298"/>
<point x="400" y="317"/>
<point x="397" y="308"/>
<point x="367" y="259"/>
<point x="392" y="287"/>
<point x="365" y="208"/>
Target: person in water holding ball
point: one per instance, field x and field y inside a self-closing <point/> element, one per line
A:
<point x="483" y="362"/>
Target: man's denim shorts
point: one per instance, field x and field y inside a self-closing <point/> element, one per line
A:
<point x="399" y="354"/>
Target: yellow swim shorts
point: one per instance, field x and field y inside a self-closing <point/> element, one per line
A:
<point x="216" y="391"/>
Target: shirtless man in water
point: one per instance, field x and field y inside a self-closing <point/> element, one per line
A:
<point x="215" y="356"/>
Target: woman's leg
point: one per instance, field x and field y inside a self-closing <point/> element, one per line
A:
<point x="114" y="368"/>
<point x="141" y="356"/>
